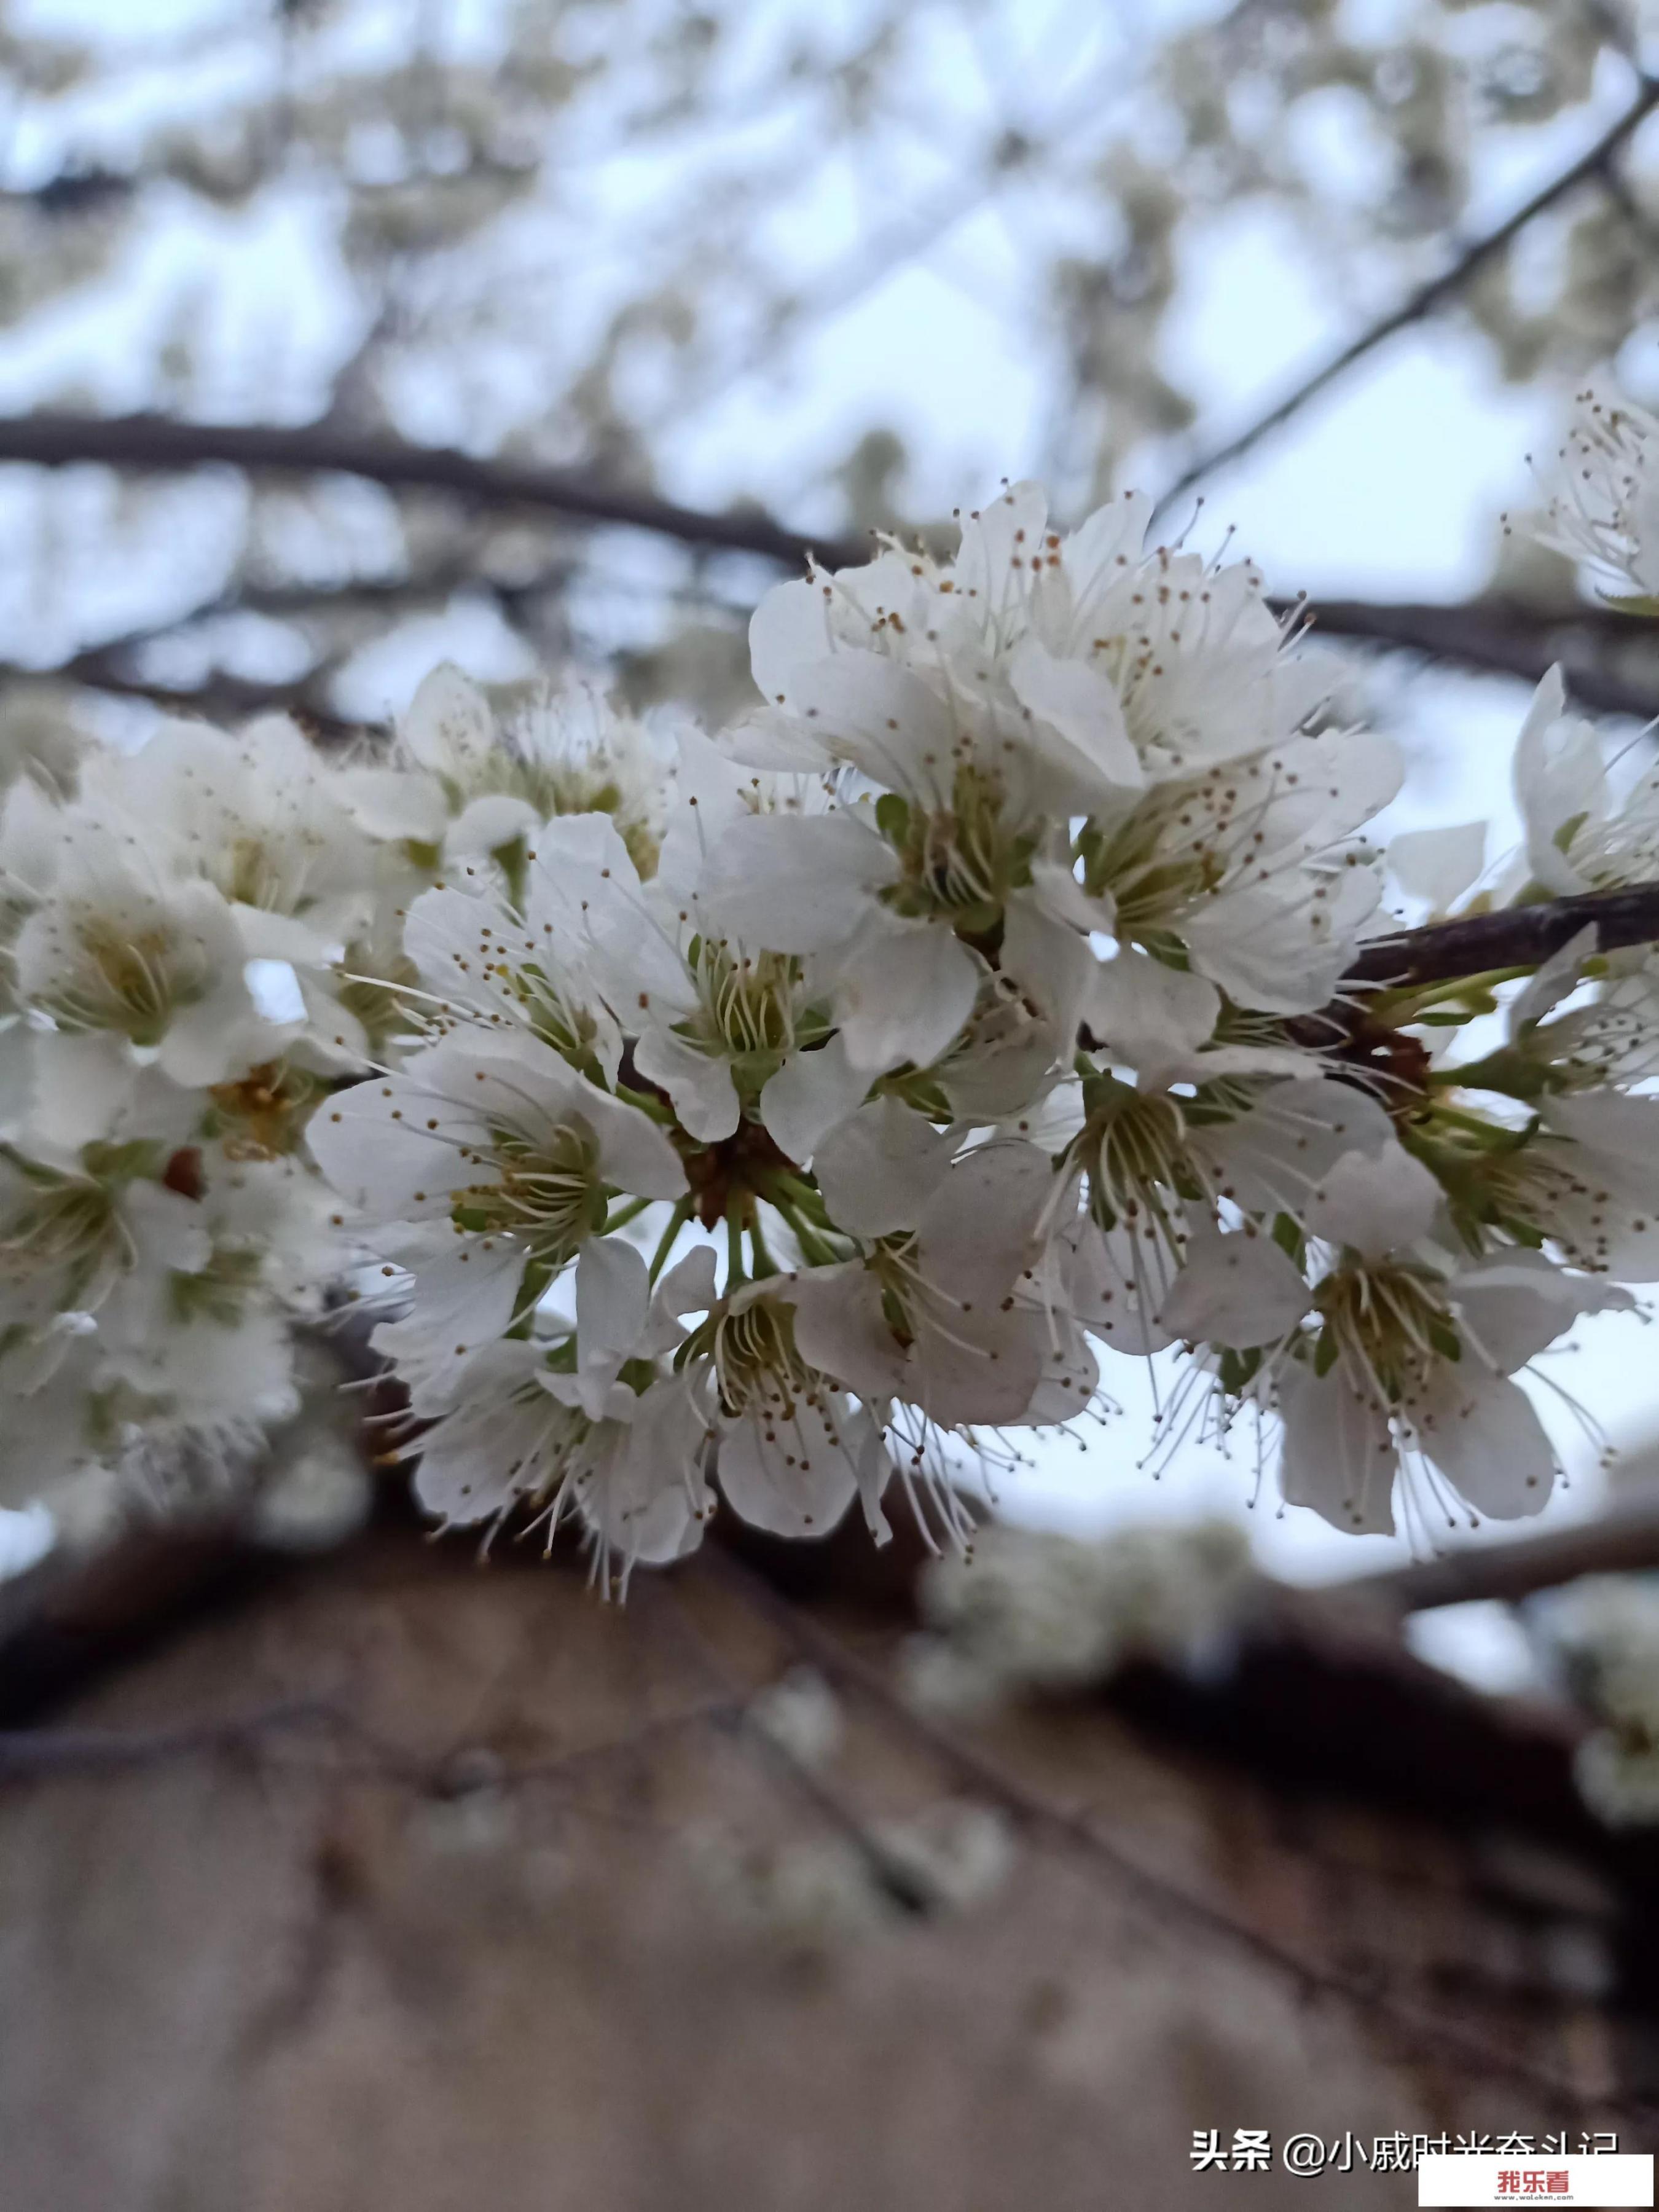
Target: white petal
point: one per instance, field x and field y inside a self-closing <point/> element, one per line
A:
<point x="1090" y="555"/>
<point x="879" y="717"/>
<point x="1272" y="947"/>
<point x="797" y="884"/>
<point x="904" y="994"/>
<point x="372" y="1143"/>
<point x="448" y="725"/>
<point x="32" y="830"/>
<point x="470" y="1465"/>
<point x="979" y="1367"/>
<point x="1438" y="865"/>
<point x="1376" y="1202"/>
<point x="770" y="738"/>
<point x="841" y="1329"/>
<point x="1058" y="891"/>
<point x="1096" y="758"/>
<point x="1611" y="1123"/>
<point x="635" y="1153"/>
<point x="809" y="1093"/>
<point x="792" y="1477"/>
<point x="1272" y="1157"/>
<point x="71" y="1090"/>
<point x="789" y="630"/>
<point x="1149" y="1014"/>
<point x="394" y="804"/>
<point x="1240" y="1290"/>
<point x="1559" y="778"/>
<point x="976" y="1234"/>
<point x="1483" y="1433"/>
<point x="1107" y="1293"/>
<point x="1556" y="980"/>
<point x="698" y="1083"/>
<point x="1338" y="1455"/>
<point x="1066" y="1385"/>
<point x="266" y="935"/>
<point x="878" y="1170"/>
<point x="466" y="1297"/>
<point x="644" y="1498"/>
<point x="1052" y="963"/>
<point x="485" y="825"/>
<point x="579" y="849"/>
<point x="690" y="1285"/>
<point x="612" y="1298"/>
<point x="872" y="1468"/>
<point x="1512" y="1307"/>
<point x="1004" y="535"/>
<point x="168" y="1230"/>
<point x="442" y="936"/>
<point x="220" y="1036"/>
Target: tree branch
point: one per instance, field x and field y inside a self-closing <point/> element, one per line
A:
<point x="1610" y="660"/>
<point x="1427" y="297"/>
<point x="219" y="698"/>
<point x="1518" y="937"/>
<point x="1594" y="643"/>
<point x="1623" y="1542"/>
<point x="157" y="444"/>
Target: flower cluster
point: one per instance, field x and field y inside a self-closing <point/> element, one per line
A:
<point x="804" y="1118"/>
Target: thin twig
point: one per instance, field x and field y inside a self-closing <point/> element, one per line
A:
<point x="891" y="1877"/>
<point x="1427" y="297"/>
<point x="36" y="1752"/>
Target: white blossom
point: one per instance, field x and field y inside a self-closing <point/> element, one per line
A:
<point x="122" y="943"/>
<point x="1411" y="1365"/>
<point x="1605" y="508"/>
<point x="500" y="1160"/>
<point x="463" y="784"/>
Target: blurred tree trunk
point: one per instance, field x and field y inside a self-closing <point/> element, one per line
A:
<point x="397" y="1884"/>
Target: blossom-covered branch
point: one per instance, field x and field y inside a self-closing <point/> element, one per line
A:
<point x="804" y="1116"/>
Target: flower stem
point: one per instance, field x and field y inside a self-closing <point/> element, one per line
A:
<point x="670" y="1237"/>
<point x="763" y="1263"/>
<point x="624" y="1214"/>
<point x="814" y="1249"/>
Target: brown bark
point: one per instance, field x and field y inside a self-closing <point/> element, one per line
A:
<point x="385" y="1886"/>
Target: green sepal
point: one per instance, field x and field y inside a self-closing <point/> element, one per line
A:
<point x="893" y="817"/>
